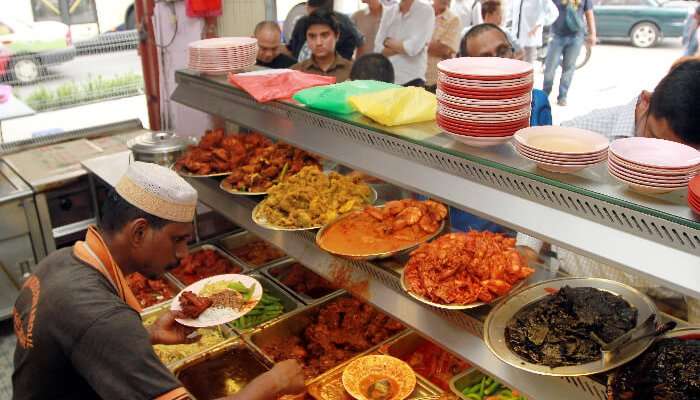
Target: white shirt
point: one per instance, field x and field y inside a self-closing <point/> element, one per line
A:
<point x="468" y="11"/>
<point x="534" y="12"/>
<point x="613" y="122"/>
<point x="414" y="29"/>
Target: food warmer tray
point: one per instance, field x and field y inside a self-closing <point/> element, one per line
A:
<point x="174" y="284"/>
<point x="226" y="332"/>
<point x="232" y="242"/>
<point x="283" y="267"/>
<point x="467" y="378"/>
<point x="329" y="386"/>
<point x="289" y="303"/>
<point x="293" y="324"/>
<point x="209" y="246"/>
<point x="249" y="361"/>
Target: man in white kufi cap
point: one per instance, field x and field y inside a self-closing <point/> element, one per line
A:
<point x="79" y="332"/>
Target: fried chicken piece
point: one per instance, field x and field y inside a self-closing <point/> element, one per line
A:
<point x="192" y="305"/>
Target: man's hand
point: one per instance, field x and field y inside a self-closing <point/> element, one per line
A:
<point x="288" y="377"/>
<point x="168" y="331"/>
<point x="393" y="44"/>
<point x="387" y="52"/>
<point x="534" y="31"/>
<point x="591" y="40"/>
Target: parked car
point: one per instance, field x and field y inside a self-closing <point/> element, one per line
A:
<point x="644" y="22"/>
<point x="34" y="46"/>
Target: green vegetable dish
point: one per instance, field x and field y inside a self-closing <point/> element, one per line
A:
<point x="490" y="389"/>
<point x="269" y="307"/>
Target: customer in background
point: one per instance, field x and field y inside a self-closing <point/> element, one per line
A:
<point x="690" y="40"/>
<point x="322" y="35"/>
<point x="444" y="43"/>
<point x="492" y="14"/>
<point x="403" y="37"/>
<point x="367" y="22"/>
<point x="373" y="66"/>
<point x="529" y="18"/>
<point x="569" y="31"/>
<point x="270" y="53"/>
<point x="349" y="38"/>
<point x="670" y="113"/>
<point x="468" y="11"/>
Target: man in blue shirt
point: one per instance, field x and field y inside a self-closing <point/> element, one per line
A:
<point x="569" y="32"/>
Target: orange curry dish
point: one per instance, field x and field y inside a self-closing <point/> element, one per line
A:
<point x="464" y="268"/>
<point x="397" y="225"/>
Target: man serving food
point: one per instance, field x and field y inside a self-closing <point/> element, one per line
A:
<point x="79" y="332"/>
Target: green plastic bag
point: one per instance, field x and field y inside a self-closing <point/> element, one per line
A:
<point x="391" y="107"/>
<point x="334" y="98"/>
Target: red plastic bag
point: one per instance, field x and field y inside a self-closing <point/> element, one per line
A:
<point x="276" y="84"/>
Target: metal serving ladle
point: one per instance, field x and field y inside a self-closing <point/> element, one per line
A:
<point x="633" y="335"/>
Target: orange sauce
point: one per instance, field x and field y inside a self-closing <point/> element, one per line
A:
<point x="360" y="234"/>
<point x="367" y="383"/>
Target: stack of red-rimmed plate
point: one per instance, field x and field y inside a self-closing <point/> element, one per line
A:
<point x="561" y="149"/>
<point x="649" y="165"/>
<point x="483" y="101"/>
<point x="222" y="55"/>
<point x="694" y="194"/>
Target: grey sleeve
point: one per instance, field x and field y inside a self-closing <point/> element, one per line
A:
<point x="116" y="358"/>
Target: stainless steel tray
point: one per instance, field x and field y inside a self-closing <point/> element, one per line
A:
<point x="329" y="386"/>
<point x="225" y="330"/>
<point x="176" y="284"/>
<point x="294" y="324"/>
<point x="209" y="246"/>
<point x="495" y="324"/>
<point x="467" y="378"/>
<point x="277" y="271"/>
<point x="246" y="362"/>
<point x="290" y="303"/>
<point x="232" y="242"/>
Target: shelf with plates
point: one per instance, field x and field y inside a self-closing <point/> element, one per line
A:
<point x="458" y="331"/>
<point x="587" y="211"/>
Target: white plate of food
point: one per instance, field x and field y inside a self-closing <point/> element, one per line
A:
<point x="216" y="300"/>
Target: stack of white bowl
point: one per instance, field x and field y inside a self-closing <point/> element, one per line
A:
<point x="649" y="165"/>
<point x="561" y="149"/>
<point x="219" y="56"/>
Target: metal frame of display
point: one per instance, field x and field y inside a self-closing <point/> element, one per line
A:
<point x="664" y="250"/>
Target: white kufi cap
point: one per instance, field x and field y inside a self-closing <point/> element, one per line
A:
<point x="158" y="191"/>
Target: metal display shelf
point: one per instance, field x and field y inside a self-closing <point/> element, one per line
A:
<point x="653" y="236"/>
<point x="459" y="332"/>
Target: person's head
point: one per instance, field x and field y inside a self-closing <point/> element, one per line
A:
<point x="671" y="111"/>
<point x="315" y="5"/>
<point x="486" y="40"/>
<point x="147" y="219"/>
<point x="697" y="14"/>
<point x="491" y="12"/>
<point x="440" y="6"/>
<point x="322" y="34"/>
<point x="269" y="38"/>
<point x="373" y="67"/>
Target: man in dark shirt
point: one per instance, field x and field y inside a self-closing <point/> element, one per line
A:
<point x="269" y="38"/>
<point x="321" y="35"/>
<point x="79" y="332"/>
<point x="349" y="38"/>
<point x="569" y="32"/>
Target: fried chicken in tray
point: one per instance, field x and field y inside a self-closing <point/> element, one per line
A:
<point x="268" y="165"/>
<point x="341" y="329"/>
<point x="220" y="153"/>
<point x="464" y="268"/>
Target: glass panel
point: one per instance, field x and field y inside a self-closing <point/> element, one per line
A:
<point x="47" y="10"/>
<point x="82" y="12"/>
<point x="594" y="181"/>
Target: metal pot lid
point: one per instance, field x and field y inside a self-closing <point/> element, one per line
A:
<point x="158" y="142"/>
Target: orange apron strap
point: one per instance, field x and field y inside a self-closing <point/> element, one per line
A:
<point x="176" y="394"/>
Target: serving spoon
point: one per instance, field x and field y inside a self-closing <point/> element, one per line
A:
<point x="610" y="349"/>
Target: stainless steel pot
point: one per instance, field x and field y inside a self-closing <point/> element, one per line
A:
<point x="161" y="148"/>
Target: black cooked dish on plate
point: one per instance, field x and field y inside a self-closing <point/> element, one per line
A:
<point x="670" y="369"/>
<point x="555" y="331"/>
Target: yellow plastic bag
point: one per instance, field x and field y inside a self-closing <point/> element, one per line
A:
<point x="399" y="106"/>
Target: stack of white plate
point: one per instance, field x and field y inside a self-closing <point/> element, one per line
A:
<point x="219" y="56"/>
<point x="561" y="149"/>
<point x="483" y="101"/>
<point x="649" y="165"/>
